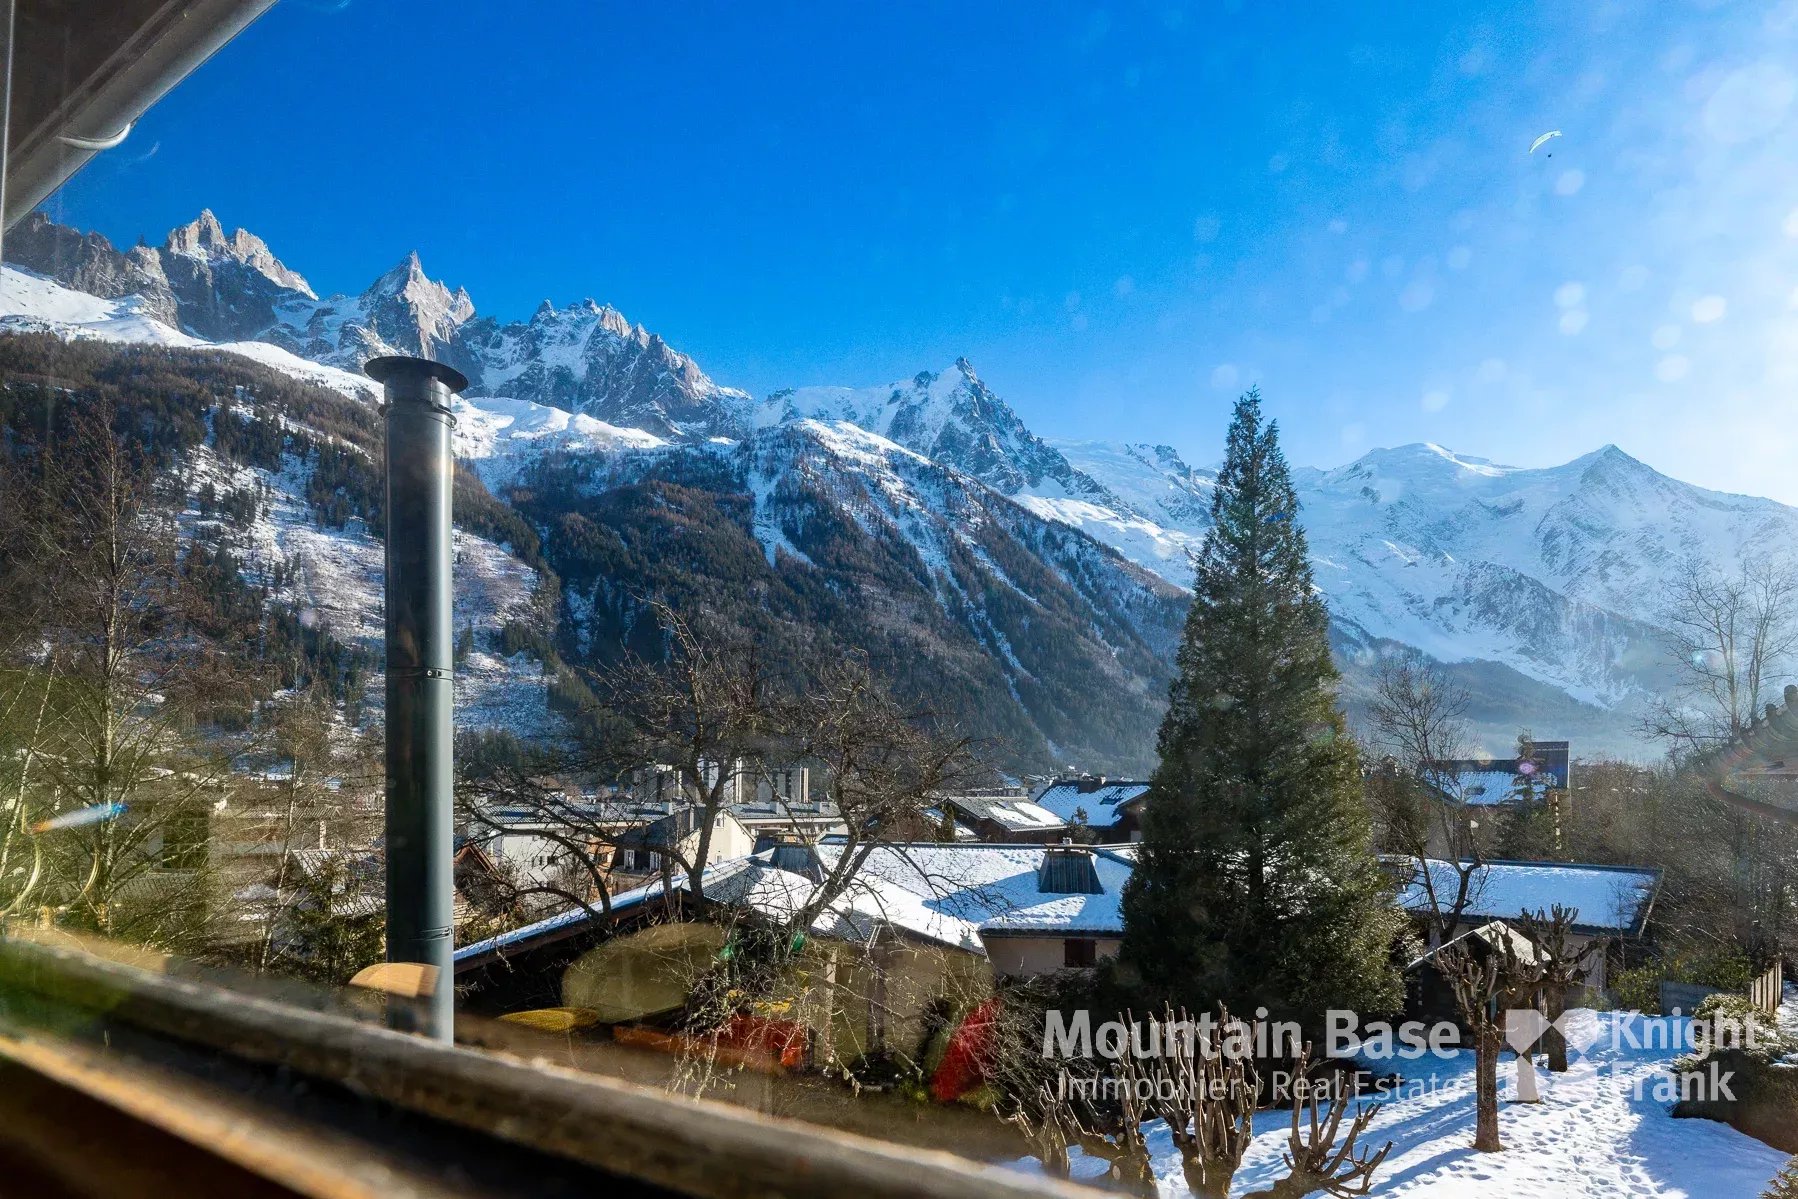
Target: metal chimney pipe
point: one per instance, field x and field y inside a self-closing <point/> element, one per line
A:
<point x="420" y="664"/>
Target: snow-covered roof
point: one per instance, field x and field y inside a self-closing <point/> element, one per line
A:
<point x="1610" y="899"/>
<point x="953" y="895"/>
<point x="1101" y="801"/>
<point x="1495" y="933"/>
<point x="1486" y="780"/>
<point x="1484" y="787"/>
<point x="1014" y="813"/>
<point x="994" y="887"/>
<point x="867" y="905"/>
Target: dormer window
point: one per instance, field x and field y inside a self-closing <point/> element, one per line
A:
<point x="1068" y="870"/>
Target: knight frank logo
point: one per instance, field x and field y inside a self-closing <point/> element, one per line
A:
<point x="1630" y="1035"/>
<point x="1524" y="1030"/>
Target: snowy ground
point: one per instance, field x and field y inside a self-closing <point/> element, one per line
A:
<point x="1600" y="1132"/>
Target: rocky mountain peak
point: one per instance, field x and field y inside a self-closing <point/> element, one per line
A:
<point x="407" y="277"/>
<point x="413" y="312"/>
<point x="202" y="235"/>
<point x="205" y="239"/>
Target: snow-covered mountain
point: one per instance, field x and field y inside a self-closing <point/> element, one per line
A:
<point x="950" y="417"/>
<point x="809" y="529"/>
<point x="818" y="530"/>
<point x="585" y="358"/>
<point x="1543" y="586"/>
<point x="1559" y="573"/>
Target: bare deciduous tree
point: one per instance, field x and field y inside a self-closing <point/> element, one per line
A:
<point x="1318" y="1156"/>
<point x="1727" y="636"/>
<point x="1206" y="1097"/>
<point x="1561" y="966"/>
<point x="721" y="721"/>
<point x="1481" y="984"/>
<point x="118" y="676"/>
<point x="1419" y="718"/>
<point x="310" y="802"/>
<point x="885" y="765"/>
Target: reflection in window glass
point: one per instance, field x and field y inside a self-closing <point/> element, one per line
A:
<point x="1083" y="592"/>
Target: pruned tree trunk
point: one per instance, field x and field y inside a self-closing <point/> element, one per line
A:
<point x="1478" y="986"/>
<point x="1206" y="1098"/>
<point x="1485" y="1088"/>
<point x="1554" y="1041"/>
<point x="1560" y="967"/>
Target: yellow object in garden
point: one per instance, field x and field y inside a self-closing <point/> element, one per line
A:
<point x="554" y="1019"/>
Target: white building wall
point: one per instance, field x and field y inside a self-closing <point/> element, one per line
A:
<point x="1019" y="957"/>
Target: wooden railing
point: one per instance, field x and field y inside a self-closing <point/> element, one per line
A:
<point x="1768" y="990"/>
<point x="637" y="1136"/>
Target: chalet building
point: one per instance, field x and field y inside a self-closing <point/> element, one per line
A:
<point x="1002" y="817"/>
<point x="640" y="852"/>
<point x="1430" y="996"/>
<point x="921" y="924"/>
<point x="627" y="838"/>
<point x="1110" y="808"/>
<point x="1076" y="920"/>
<point x="1614" y="903"/>
<point x="1546" y="772"/>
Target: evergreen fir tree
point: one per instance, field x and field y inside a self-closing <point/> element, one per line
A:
<point x="1255" y="883"/>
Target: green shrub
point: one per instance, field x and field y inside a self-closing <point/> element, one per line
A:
<point x="1638" y="988"/>
<point x="1786" y="1185"/>
<point x="1737" y="1015"/>
<point x="1740" y="1043"/>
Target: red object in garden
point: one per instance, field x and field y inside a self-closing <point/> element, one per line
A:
<point x="782" y="1040"/>
<point x="970" y="1050"/>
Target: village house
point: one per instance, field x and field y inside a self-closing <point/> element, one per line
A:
<point x="1614" y="903"/>
<point x="778" y="819"/>
<point x="1002" y="816"/>
<point x="625" y="838"/>
<point x="1110" y="808"/>
<point x="1544" y="773"/>
<point x="1033" y="909"/>
<point x="922" y="925"/>
<point x="771" y="801"/>
<point x="1429" y="993"/>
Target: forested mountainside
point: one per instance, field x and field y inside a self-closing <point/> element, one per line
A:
<point x="1045" y="642"/>
<point x="1036" y="582"/>
<point x="1027" y="635"/>
<point x="272" y="487"/>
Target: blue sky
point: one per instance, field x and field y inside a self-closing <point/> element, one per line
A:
<point x="1120" y="214"/>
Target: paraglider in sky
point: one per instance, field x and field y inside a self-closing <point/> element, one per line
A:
<point x="1541" y="141"/>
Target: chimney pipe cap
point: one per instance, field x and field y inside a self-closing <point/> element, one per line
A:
<point x="399" y="368"/>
